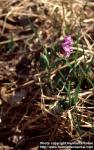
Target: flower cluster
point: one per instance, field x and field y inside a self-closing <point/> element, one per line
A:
<point x="67" y="46"/>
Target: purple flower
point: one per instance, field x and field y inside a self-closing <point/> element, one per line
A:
<point x="67" y="46"/>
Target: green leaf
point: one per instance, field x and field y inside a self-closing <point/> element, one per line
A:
<point x="44" y="62"/>
<point x="74" y="99"/>
<point x="10" y="45"/>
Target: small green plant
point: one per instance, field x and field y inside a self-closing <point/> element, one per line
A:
<point x="10" y="45"/>
<point x="44" y="62"/>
